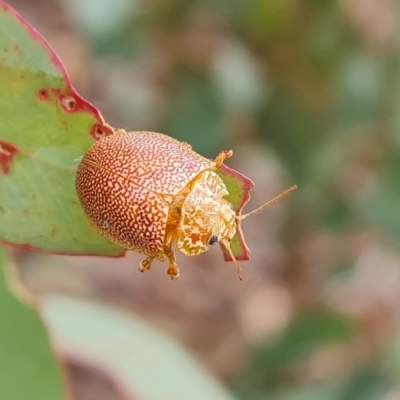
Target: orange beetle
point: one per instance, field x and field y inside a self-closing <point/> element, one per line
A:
<point x="146" y="191"/>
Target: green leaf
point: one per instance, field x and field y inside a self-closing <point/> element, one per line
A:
<point x="28" y="369"/>
<point x="239" y="188"/>
<point x="45" y="127"/>
<point x="145" y="363"/>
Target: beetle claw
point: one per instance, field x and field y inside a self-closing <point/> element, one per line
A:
<point x="145" y="265"/>
<point x="173" y="272"/>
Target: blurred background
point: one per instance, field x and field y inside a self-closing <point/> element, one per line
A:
<point x="305" y="92"/>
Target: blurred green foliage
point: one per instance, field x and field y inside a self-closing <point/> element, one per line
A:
<point x="135" y="354"/>
<point x="272" y="375"/>
<point x="28" y="369"/>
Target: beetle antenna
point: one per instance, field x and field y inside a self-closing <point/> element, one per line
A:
<point x="238" y="267"/>
<point x="280" y="196"/>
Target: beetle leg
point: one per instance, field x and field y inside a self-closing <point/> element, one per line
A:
<point x="173" y="270"/>
<point x="145" y="265"/>
<point x="221" y="157"/>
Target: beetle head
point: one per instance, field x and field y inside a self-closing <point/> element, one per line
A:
<point x="206" y="217"/>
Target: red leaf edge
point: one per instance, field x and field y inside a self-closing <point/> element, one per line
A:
<point x="248" y="186"/>
<point x="81" y="103"/>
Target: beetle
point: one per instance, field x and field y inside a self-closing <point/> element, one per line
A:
<point x="146" y="191"/>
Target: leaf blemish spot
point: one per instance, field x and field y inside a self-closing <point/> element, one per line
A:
<point x="7" y="153"/>
<point x="99" y="132"/>
<point x="43" y="94"/>
<point x="69" y="103"/>
<point x="16" y="48"/>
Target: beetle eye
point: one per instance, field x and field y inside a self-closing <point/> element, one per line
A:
<point x="213" y="239"/>
<point x="232" y="207"/>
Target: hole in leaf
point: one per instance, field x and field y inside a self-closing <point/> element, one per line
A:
<point x="98" y="132"/>
<point x="69" y="103"/>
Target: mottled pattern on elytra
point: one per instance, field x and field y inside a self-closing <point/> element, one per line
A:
<point x="152" y="160"/>
<point x="131" y="218"/>
<point x="204" y="213"/>
<point x="126" y="183"/>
